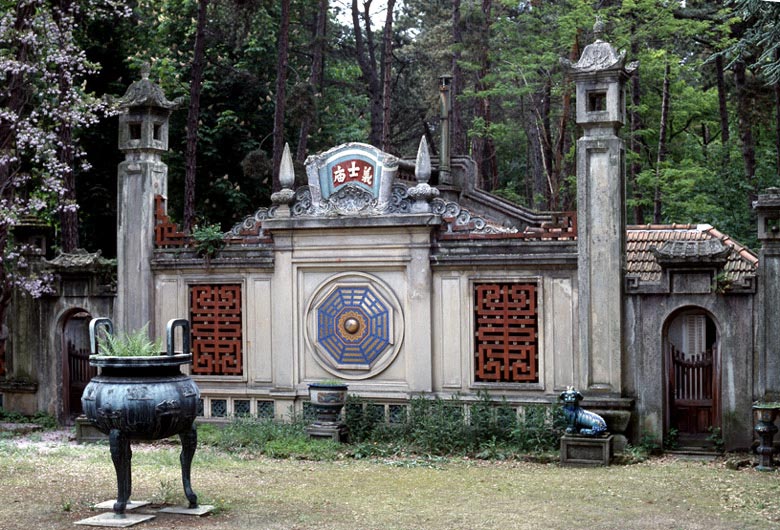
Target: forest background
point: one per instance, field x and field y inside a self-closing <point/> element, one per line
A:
<point x="702" y="137"/>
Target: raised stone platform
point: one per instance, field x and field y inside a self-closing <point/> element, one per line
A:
<point x="586" y="451"/>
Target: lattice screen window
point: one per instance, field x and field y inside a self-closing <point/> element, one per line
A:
<point x="506" y="332"/>
<point x="215" y="314"/>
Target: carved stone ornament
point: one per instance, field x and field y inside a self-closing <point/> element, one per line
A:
<point x="599" y="56"/>
<point x="459" y="219"/>
<point x="145" y="93"/>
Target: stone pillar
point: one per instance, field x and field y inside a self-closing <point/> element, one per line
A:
<point x="768" y="212"/>
<point x="600" y="75"/>
<point x="143" y="137"/>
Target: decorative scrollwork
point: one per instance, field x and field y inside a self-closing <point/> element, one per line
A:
<point x="399" y="199"/>
<point x="350" y="200"/>
<point x="459" y="219"/>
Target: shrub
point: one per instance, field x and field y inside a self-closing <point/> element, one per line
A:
<point x="540" y="429"/>
<point x="276" y="439"/>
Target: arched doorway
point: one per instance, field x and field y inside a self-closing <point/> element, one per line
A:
<point x="691" y="345"/>
<point x="76" y="370"/>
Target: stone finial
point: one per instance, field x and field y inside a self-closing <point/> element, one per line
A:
<point x="423" y="192"/>
<point x="146" y="69"/>
<point x="598" y="28"/>
<point x="422" y="168"/>
<point x="284" y="197"/>
<point x="286" y="172"/>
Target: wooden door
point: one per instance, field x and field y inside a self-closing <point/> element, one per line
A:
<point x="693" y="392"/>
<point x="76" y="369"/>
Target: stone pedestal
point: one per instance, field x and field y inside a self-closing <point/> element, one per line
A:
<point x="586" y="451"/>
<point x="335" y="431"/>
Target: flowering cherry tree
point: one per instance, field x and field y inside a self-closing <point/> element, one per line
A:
<point x="43" y="105"/>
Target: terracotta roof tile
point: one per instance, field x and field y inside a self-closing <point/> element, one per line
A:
<point x="741" y="263"/>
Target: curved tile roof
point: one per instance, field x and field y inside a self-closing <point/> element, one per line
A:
<point x="641" y="261"/>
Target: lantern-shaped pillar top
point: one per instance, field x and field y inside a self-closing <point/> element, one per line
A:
<point x="600" y="75"/>
<point x="143" y="122"/>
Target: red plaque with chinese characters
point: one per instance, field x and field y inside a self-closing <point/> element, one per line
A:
<point x="354" y="170"/>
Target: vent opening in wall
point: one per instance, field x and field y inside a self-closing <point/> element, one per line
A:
<point x="506" y="333"/>
<point x="215" y="313"/>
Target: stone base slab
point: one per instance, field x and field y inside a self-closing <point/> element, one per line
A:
<point x="112" y="520"/>
<point x="586" y="450"/>
<point x="203" y="509"/>
<point x="131" y="505"/>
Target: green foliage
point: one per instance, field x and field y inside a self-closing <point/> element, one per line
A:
<point x="365" y="423"/>
<point x="209" y="239"/>
<point x="133" y="344"/>
<point x="44" y="419"/>
<point x="648" y="444"/>
<point x="716" y="438"/>
<point x="272" y="438"/>
<point x="484" y="428"/>
<point x="672" y="439"/>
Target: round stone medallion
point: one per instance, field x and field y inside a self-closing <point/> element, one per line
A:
<point x="355" y="325"/>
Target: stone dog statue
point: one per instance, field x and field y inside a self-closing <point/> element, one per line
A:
<point x="579" y="420"/>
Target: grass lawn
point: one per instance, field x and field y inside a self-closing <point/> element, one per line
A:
<point x="48" y="485"/>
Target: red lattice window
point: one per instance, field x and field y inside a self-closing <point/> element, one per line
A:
<point x="506" y="326"/>
<point x="215" y="314"/>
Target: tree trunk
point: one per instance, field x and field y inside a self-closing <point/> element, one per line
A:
<point x="723" y="109"/>
<point x="387" y="63"/>
<point x="777" y="118"/>
<point x="482" y="145"/>
<point x="561" y="145"/>
<point x="546" y="141"/>
<point x="634" y="143"/>
<point x="193" y="116"/>
<point x="368" y="68"/>
<point x="16" y="92"/>
<point x="69" y="217"/>
<point x="283" y="45"/>
<point x="457" y="135"/>
<point x="665" y="103"/>
<point x="535" y="175"/>
<point x="315" y="75"/>
<point x="743" y="122"/>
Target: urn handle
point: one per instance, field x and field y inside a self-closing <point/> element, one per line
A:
<point x="170" y="329"/>
<point x="93" y="328"/>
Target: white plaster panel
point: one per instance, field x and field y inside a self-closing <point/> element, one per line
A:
<point x="449" y="316"/>
<point x="284" y="325"/>
<point x="559" y="320"/>
<point x="359" y="246"/>
<point x="169" y="304"/>
<point x="258" y="325"/>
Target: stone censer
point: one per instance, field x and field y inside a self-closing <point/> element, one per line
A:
<point x="140" y="398"/>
